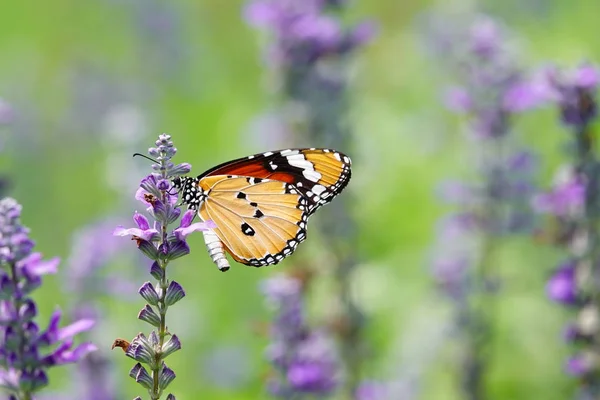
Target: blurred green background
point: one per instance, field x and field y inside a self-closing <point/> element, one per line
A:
<point x="94" y="81"/>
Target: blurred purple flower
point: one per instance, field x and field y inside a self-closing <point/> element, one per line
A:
<point x="457" y="192"/>
<point x="363" y="33"/>
<point x="372" y="390"/>
<point x="7" y="113"/>
<point x="490" y="88"/>
<point x="486" y="36"/>
<point x="523" y="96"/>
<point x="307" y="359"/>
<point x="22" y="366"/>
<point x="578" y="365"/>
<point x="303" y="31"/>
<point x="562" y="287"/>
<point x="566" y="198"/>
<point x="574" y="92"/>
<point x="450" y="273"/>
<point x="457" y="99"/>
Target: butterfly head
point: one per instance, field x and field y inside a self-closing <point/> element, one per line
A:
<point x="190" y="193"/>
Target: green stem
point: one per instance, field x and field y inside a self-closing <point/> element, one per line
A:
<point x="162" y="309"/>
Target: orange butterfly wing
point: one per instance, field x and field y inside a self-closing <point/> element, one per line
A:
<point x="259" y="221"/>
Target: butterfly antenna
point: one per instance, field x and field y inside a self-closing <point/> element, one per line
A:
<point x="146" y="157"/>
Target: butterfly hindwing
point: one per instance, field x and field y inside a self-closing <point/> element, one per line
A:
<point x="259" y="221"/>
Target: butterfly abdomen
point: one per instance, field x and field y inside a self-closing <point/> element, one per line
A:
<point x="215" y="250"/>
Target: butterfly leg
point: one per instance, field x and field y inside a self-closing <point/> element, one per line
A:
<point x="215" y="250"/>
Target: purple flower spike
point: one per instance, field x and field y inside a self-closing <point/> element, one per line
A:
<point x="162" y="244"/>
<point x="561" y="287"/>
<point x="24" y="370"/>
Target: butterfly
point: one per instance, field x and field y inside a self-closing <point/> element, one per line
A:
<point x="260" y="204"/>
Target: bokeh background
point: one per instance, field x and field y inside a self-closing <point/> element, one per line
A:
<point x="92" y="82"/>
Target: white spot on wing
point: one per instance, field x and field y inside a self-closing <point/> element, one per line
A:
<point x="318" y="189"/>
<point x="268" y="153"/>
<point x="312" y="175"/>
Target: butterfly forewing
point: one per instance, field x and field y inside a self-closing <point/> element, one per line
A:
<point x="319" y="174"/>
<point x="260" y="221"/>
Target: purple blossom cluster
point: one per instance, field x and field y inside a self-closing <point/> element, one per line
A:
<point x="28" y="352"/>
<point x="305" y="31"/>
<point x="161" y="246"/>
<point x="574" y="204"/>
<point x="305" y="359"/>
<point x="493" y="87"/>
<point x="496" y="203"/>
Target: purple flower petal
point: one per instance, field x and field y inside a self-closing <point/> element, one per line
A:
<point x="141" y="221"/>
<point x="578" y="365"/>
<point x="182" y="233"/>
<point x="9" y="378"/>
<point x="64" y="355"/>
<point x="35" y="266"/>
<point x="75" y="328"/>
<point x="163" y="185"/>
<point x="523" y="96"/>
<point x="587" y="77"/>
<point x="140" y="195"/>
<point x="187" y="218"/>
<point x="147" y="235"/>
<point x="565" y="199"/>
<point x="561" y="287"/>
